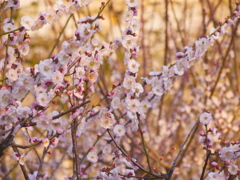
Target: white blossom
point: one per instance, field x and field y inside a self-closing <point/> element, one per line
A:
<point x="92" y="157"/>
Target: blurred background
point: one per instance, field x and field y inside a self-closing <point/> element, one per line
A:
<point x="166" y="28"/>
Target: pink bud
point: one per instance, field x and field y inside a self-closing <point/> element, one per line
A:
<point x="228" y="163"/>
<point x="134" y="53"/>
<point x="69" y="93"/>
<point x="59" y="131"/>
<point x="210" y="130"/>
<point x="214" y="164"/>
<point x="201" y="133"/>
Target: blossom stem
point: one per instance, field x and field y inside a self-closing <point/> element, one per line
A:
<point x="42" y="161"/>
<point x="58" y="39"/>
<point x="9" y="32"/>
<point x="134" y="162"/>
<point x="224" y="59"/>
<point x="205" y="165"/>
<point x="143" y="143"/>
<point x="170" y="172"/>
<point x="24" y="171"/>
<point x="6" y="56"/>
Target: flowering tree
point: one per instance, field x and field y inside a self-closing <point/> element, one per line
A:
<point x="92" y="110"/>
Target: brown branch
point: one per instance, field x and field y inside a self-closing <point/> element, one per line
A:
<point x="24" y="171"/>
<point x="205" y="164"/>
<point x="70" y="110"/>
<point x="134" y="162"/>
<point x="224" y="60"/>
<point x="170" y="172"/>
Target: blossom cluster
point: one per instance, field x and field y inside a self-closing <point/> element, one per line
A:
<point x="228" y="154"/>
<point x="71" y="76"/>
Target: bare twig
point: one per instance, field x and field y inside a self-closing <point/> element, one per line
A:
<point x="170" y="172"/>
<point x="143" y="143"/>
<point x="224" y="60"/>
<point x="70" y="110"/>
<point x="24" y="171"/>
<point x="134" y="162"/>
<point x="58" y="39"/>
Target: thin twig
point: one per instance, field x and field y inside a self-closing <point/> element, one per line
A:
<point x="24" y="171"/>
<point x="143" y="143"/>
<point x="170" y="172"/>
<point x="42" y="161"/>
<point x="205" y="164"/>
<point x="134" y="162"/>
<point x="58" y="39"/>
<point x="224" y="60"/>
<point x="70" y="110"/>
<point x="9" y="32"/>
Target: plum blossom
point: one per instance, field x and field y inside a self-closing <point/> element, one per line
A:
<point x="57" y="77"/>
<point x="207" y="141"/>
<point x="5" y="98"/>
<point x="133" y="66"/>
<point x="13" y="4"/>
<point x="92" y="157"/>
<point x="38" y="24"/>
<point x="205" y="118"/>
<point x="216" y="175"/>
<point x="43" y="99"/>
<point x="168" y="83"/>
<point x="24" y="112"/>
<point x="63" y="57"/>
<point x="27" y="22"/>
<point x="84" y="2"/>
<point x="54" y="142"/>
<point x="116" y="102"/>
<point x="129" y="42"/>
<point x="34" y="176"/>
<point x="129" y="172"/>
<point x="135" y="25"/>
<point x="91" y="63"/>
<point x="24" y="49"/>
<point x="119" y="130"/>
<point x="44" y="122"/>
<point x="226" y="154"/>
<point x="128" y="82"/>
<point x="8" y="27"/>
<point x="233" y="169"/>
<point x="46" y="68"/>
<point x="92" y="77"/>
<point x="46" y="142"/>
<point x="137" y="88"/>
<point x="71" y="46"/>
<point x="12" y="75"/>
<point x="94" y="41"/>
<point x="51" y="16"/>
<point x="132" y="3"/>
<point x="107" y="149"/>
<point x="128" y="16"/>
<point x="133" y="104"/>
<point x="107" y="119"/>
<point x="79" y="72"/>
<point x="22" y="159"/>
<point x="179" y="67"/>
<point x="145" y="105"/>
